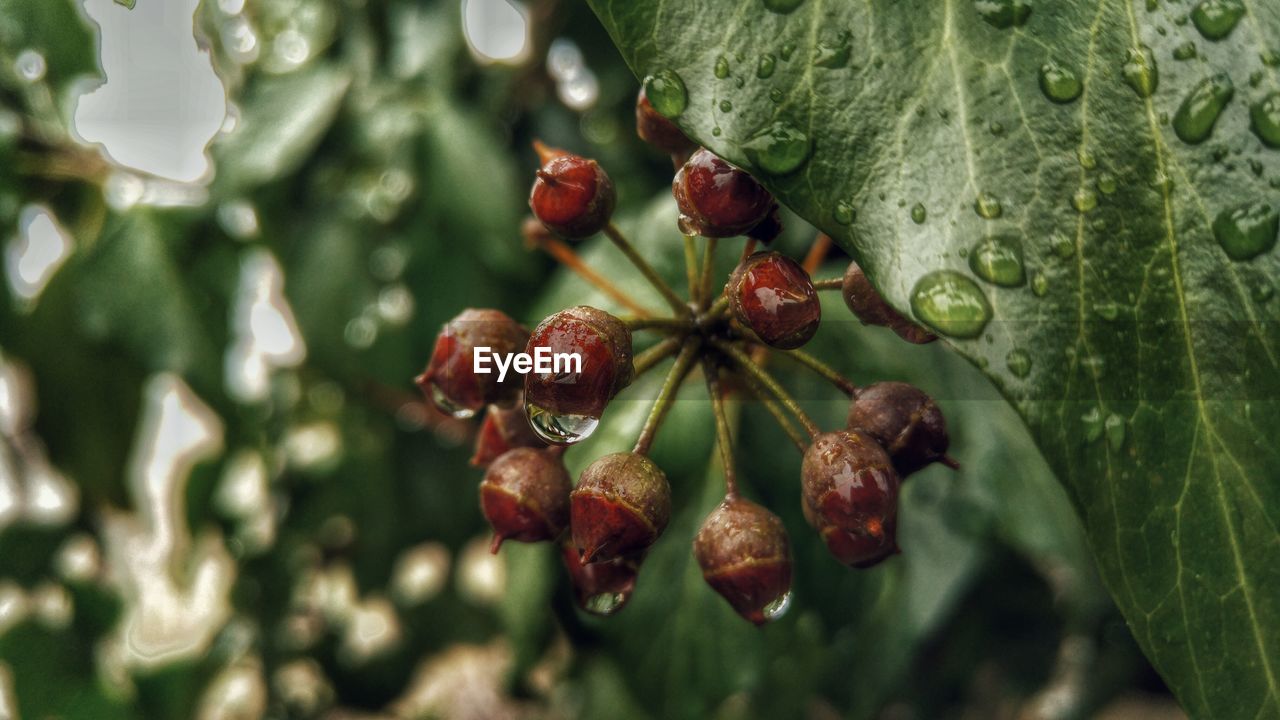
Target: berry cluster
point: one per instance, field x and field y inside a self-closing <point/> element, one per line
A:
<point x="621" y="503"/>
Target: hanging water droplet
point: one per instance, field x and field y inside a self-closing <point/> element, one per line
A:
<point x="560" y="429"/>
<point x="951" y="303"/>
<point x="1247" y="231"/>
<point x="834" y="54"/>
<point x="1200" y="111"/>
<point x="722" y="67"/>
<point x="1003" y="14"/>
<point x="764" y="70"/>
<point x="1140" y="71"/>
<point x="782" y="6"/>
<point x="1215" y="19"/>
<point x="919" y="214"/>
<point x="778" y="148"/>
<point x="1084" y="200"/>
<point x="1185" y="51"/>
<point x="1092" y="422"/>
<point x="988" y="206"/>
<point x="446" y="405"/>
<point x="1058" y="83"/>
<point x="998" y="260"/>
<point x="1266" y="119"/>
<point x="31" y="66"/>
<point x="845" y="213"/>
<point x="1114" y="427"/>
<point x="605" y="603"/>
<point x="777" y="608"/>
<point x="1019" y="363"/>
<point x="1040" y="284"/>
<point x="1107" y="184"/>
<point x="666" y="93"/>
<point x="726" y="106"/>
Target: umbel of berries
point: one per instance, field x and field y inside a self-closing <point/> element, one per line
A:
<point x="450" y="380"/>
<point x="850" y="493"/>
<point x="717" y="199"/>
<point x="904" y="420"/>
<point x="572" y="196"/>
<point x="773" y="296"/>
<point x="861" y="297"/>
<point x="745" y="556"/>
<point x="621" y="505"/>
<point x="565" y="404"/>
<point x="600" y="588"/>
<point x="525" y="496"/>
<point x="654" y="128"/>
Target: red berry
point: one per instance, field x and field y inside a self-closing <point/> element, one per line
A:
<point x="573" y="196"/>
<point x="560" y="404"/>
<point x="621" y="505"/>
<point x="857" y="548"/>
<point x="450" y="380"/>
<point x="861" y="297"/>
<point x="654" y="128"/>
<point x="525" y="496"/>
<point x="601" y="588"/>
<point x="850" y="492"/>
<point x="745" y="556"/>
<point x="717" y="199"/>
<point x="773" y="296"/>
<point x="904" y="420"/>
<point x="503" y="429"/>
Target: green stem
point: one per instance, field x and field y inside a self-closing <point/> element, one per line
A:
<point x="832" y="284"/>
<point x="829" y="373"/>
<point x="749" y="366"/>
<point x="666" y="396"/>
<point x="647" y="360"/>
<point x="719" y="307"/>
<point x="679" y="325"/>
<point x="778" y="413"/>
<point x="724" y="438"/>
<point x="691" y="267"/>
<point x="646" y="269"/>
<point x="708" y="266"/>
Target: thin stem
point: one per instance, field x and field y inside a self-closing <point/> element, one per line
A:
<point x="646" y="360"/>
<point x="691" y="267"/>
<point x="719" y="307"/>
<point x="748" y="249"/>
<point x="566" y="256"/>
<point x="749" y="366"/>
<point x="723" y="437"/>
<point x="666" y="396"/>
<point x="663" y="323"/>
<point x="832" y="284"/>
<point x="829" y="373"/>
<point x="708" y="267"/>
<point x="646" y="269"/>
<point x="776" y="410"/>
<point x="817" y="253"/>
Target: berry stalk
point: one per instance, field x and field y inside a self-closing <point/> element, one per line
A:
<point x="623" y="244"/>
<point x="565" y="255"/>
<point x="831" y="284"/>
<point x="673" y="325"/>
<point x="666" y="396"/>
<point x="708" y="266"/>
<point x="691" y="268"/>
<point x="776" y="410"/>
<point x="744" y="363"/>
<point x="844" y="384"/>
<point x="724" y="439"/>
<point x="648" y="359"/>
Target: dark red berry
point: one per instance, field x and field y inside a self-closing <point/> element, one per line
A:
<point x="717" y="199"/>
<point x="654" y="128"/>
<point x="904" y="420"/>
<point x="450" y="380"/>
<point x="573" y="196"/>
<point x="601" y="588"/>
<point x="850" y="491"/>
<point x="577" y="395"/>
<point x="857" y="548"/>
<point x="773" y="296"/>
<point x="525" y="496"/>
<point x="768" y="229"/>
<point x="865" y="302"/>
<point x="503" y="429"/>
<point x="621" y="505"/>
<point x="745" y="556"/>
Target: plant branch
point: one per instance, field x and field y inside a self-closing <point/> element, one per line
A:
<point x="566" y="256"/>
<point x="708" y="267"/>
<point x="724" y="438"/>
<point x="666" y="396"/>
<point x="669" y="324"/>
<point x="646" y="269"/>
<point x="749" y="367"/>
<point x="831" y="284"/>
<point x="691" y="267"/>
<point x="827" y="372"/>
<point x="645" y="361"/>
<point x="776" y="410"/>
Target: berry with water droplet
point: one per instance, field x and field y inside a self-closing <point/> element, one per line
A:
<point x="450" y="380"/>
<point x="503" y="429"/>
<point x="525" y="496"/>
<point x="717" y="199"/>
<point x="773" y="296"/>
<point x="590" y="361"/>
<point x="621" y="505"/>
<point x="745" y="555"/>
<point x="654" y="128"/>
<point x="601" y="588"/>
<point x="861" y="297"/>
<point x="573" y="196"/>
<point x="904" y="420"/>
<point x="850" y="490"/>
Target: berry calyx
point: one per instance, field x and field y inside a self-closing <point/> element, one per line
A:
<point x="850" y="491"/>
<point x="717" y="199"/>
<point x="601" y="588"/>
<point x="621" y="505"/>
<point x="564" y="405"/>
<point x="904" y="420"/>
<point x="572" y="196"/>
<point x="773" y="296"/>
<point x="450" y="380"/>
<point x="866" y="303"/>
<point x="654" y="128"/>
<point x="525" y="496"/>
<point x="745" y="556"/>
<point x="503" y="429"/>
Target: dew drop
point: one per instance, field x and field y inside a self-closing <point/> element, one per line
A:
<point x="1185" y="51"/>
<point x="919" y="214"/>
<point x="1019" y="363"/>
<point x="31" y="65"/>
<point x="666" y="92"/>
<point x="844" y="213"/>
<point x="605" y="603"/>
<point x="951" y="304"/>
<point x="1063" y="247"/>
<point x="1107" y="184"/>
<point x="988" y="206"/>
<point x="447" y="406"/>
<point x="778" y="148"/>
<point x="1140" y="71"/>
<point x="1266" y="119"/>
<point x="787" y="51"/>
<point x="782" y="6"/>
<point x="726" y="106"/>
<point x="1107" y="310"/>
<point x="996" y="127"/>
<point x="722" y="67"/>
<point x="1003" y="14"/>
<point x="1092" y="424"/>
<point x="1086" y="158"/>
<point x="1060" y="84"/>
<point x="1215" y="19"/>
<point x="1084" y="200"/>
<point x="998" y="260"/>
<point x="834" y="54"/>
<point x="560" y="429"/>
<point x="1114" y="428"/>
<point x="1247" y="231"/>
<point x="777" y="608"/>
<point x="1040" y="284"/>
<point x="765" y="68"/>
<point x="1199" y="112"/>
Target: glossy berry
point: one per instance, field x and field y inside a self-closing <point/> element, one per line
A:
<point x="450" y="380"/>
<point x="525" y="496"/>
<point x="601" y="588"/>
<point x="621" y="505"/>
<point x="717" y="199"/>
<point x="865" y="302"/>
<point x="654" y="128"/>
<point x="503" y="429"/>
<point x="603" y="343"/>
<point x="850" y="491"/>
<point x="745" y="556"/>
<point x="773" y="296"/>
<point x="572" y="196"/>
<point x="904" y="420"/>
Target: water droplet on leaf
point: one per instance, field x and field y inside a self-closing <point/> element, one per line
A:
<point x="666" y="93"/>
<point x="1019" y="363"/>
<point x="1215" y="19"/>
<point x="845" y="213"/>
<point x="988" y="206"/>
<point x="782" y="6"/>
<point x="998" y="260"/>
<point x="1247" y="231"/>
<point x="764" y="70"/>
<point x="1200" y="111"/>
<point x="1003" y="14"/>
<point x="1114" y="427"/>
<point x="1060" y="84"/>
<point x="1084" y="200"/>
<point x="722" y="67"/>
<point x="834" y="54"/>
<point x="951" y="304"/>
<point x="1140" y="71"/>
<point x="1266" y="119"/>
<point x="778" y="149"/>
<point x="1185" y="51"/>
<point x="919" y="214"/>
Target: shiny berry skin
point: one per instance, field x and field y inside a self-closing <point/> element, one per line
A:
<point x="572" y="196"/>
<point x="850" y="490"/>
<point x="525" y="496"/>
<point x="855" y="548"/>
<point x="450" y="380"/>
<point x="503" y="429"/>
<point x="904" y="420"/>
<point x="604" y="344"/>
<point x="865" y="302"/>
<point x="745" y="556"/>
<point x="601" y="588"/>
<point x="717" y="199"/>
<point x="621" y="505"/>
<point x="654" y="128"/>
<point x="773" y="296"/>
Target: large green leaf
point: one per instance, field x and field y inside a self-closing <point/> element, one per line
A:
<point x="1142" y="355"/>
